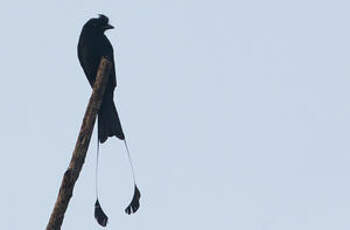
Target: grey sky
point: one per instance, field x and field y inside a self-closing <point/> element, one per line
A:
<point x="236" y="113"/>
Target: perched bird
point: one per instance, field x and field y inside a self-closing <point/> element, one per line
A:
<point x="93" y="45"/>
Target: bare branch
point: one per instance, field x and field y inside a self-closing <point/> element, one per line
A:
<point x="72" y="173"/>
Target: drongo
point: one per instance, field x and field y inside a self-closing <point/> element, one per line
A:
<point x="93" y="45"/>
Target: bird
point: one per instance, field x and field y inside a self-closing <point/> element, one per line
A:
<point x="93" y="44"/>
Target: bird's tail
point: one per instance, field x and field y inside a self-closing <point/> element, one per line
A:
<point x="108" y="121"/>
<point x="109" y="125"/>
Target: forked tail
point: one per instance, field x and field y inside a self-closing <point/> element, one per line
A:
<point x="108" y="122"/>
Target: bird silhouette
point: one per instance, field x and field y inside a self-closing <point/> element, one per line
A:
<point x="92" y="46"/>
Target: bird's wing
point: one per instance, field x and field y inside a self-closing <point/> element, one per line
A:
<point x="107" y="51"/>
<point x="88" y="63"/>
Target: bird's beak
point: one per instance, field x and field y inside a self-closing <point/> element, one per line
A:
<point x="108" y="27"/>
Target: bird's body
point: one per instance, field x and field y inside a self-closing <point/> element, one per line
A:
<point x="93" y="45"/>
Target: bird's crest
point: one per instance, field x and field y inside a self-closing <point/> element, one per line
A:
<point x="103" y="18"/>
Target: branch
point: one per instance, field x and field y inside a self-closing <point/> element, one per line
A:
<point x="72" y="173"/>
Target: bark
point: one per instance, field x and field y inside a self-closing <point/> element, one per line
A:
<point x="78" y="157"/>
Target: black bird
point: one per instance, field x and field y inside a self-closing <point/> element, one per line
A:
<point x="93" y="45"/>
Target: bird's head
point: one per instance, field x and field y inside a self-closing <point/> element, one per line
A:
<point x="98" y="25"/>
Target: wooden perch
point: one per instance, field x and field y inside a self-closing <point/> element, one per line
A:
<point x="72" y="173"/>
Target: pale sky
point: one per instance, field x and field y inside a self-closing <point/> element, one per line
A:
<point x="236" y="114"/>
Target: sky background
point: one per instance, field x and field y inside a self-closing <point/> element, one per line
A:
<point x="236" y="114"/>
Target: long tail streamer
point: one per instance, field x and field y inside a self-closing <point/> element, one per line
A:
<point x="135" y="202"/>
<point x="134" y="205"/>
<point x="100" y="215"/>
